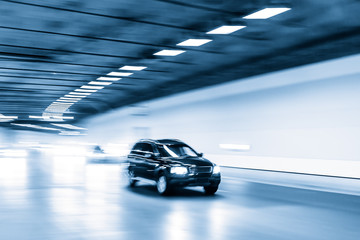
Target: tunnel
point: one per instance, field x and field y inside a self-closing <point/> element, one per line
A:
<point x="174" y="119"/>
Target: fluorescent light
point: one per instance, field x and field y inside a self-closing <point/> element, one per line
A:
<point x="35" y="126"/>
<point x="66" y="98"/>
<point x="92" y="87"/>
<point x="266" y="13"/>
<point x="194" y="42"/>
<point x="119" y="74"/>
<point x="61" y="100"/>
<point x="68" y="126"/>
<point x="36" y="117"/>
<point x="71" y="133"/>
<point x="108" y="78"/>
<point x="132" y="68"/>
<point x="85" y="90"/>
<point x="169" y="52"/>
<point x="235" y="147"/>
<point x="225" y="29"/>
<point x="100" y="83"/>
<point x="8" y="117"/>
<point x="74" y="96"/>
<point x="82" y="93"/>
<point x="62" y="117"/>
<point x="62" y="103"/>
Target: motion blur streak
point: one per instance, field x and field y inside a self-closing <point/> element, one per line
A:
<point x="44" y="198"/>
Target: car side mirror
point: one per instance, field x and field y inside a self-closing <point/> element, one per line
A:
<point x="200" y="154"/>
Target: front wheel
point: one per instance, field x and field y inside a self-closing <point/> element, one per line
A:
<point x="162" y="185"/>
<point x="211" y="190"/>
<point x="132" y="180"/>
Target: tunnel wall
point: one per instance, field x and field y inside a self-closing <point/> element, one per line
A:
<point x="305" y="119"/>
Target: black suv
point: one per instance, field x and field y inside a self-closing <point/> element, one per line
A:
<point x="171" y="163"/>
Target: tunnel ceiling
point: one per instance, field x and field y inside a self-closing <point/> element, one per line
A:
<point x="50" y="48"/>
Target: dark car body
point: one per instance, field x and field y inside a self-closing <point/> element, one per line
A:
<point x="171" y="163"/>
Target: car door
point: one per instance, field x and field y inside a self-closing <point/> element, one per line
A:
<point x="150" y="162"/>
<point x="136" y="160"/>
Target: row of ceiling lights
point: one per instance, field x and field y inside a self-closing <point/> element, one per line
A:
<point x="56" y="109"/>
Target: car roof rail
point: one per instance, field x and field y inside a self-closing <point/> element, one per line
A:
<point x="169" y="140"/>
<point x="148" y="140"/>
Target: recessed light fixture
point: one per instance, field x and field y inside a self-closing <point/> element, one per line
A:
<point x="132" y="68"/>
<point x="108" y="79"/>
<point x="61" y="103"/>
<point x="35" y="126"/>
<point x="36" y="117"/>
<point x="169" y="52"/>
<point x="80" y="93"/>
<point x="63" y="117"/>
<point x="85" y="90"/>
<point x="92" y="87"/>
<point x="74" y="96"/>
<point x="225" y="29"/>
<point x="8" y="117"/>
<point x="235" y="147"/>
<point x="67" y="98"/>
<point x="62" y="100"/>
<point x="71" y="133"/>
<point x="100" y="83"/>
<point x="119" y="74"/>
<point x="266" y="13"/>
<point x="194" y="42"/>
<point x="69" y="126"/>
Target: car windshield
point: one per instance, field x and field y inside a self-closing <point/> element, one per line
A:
<point x="176" y="151"/>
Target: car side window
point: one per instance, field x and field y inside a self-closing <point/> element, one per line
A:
<point x="142" y="149"/>
<point x="147" y="148"/>
<point x="136" y="148"/>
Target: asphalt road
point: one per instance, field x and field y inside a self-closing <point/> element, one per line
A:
<point x="61" y="198"/>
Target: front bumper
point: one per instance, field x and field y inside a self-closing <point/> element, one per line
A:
<point x="187" y="180"/>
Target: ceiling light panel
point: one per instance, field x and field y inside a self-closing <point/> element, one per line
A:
<point x="120" y="74"/>
<point x="100" y="83"/>
<point x="63" y="117"/>
<point x="85" y="90"/>
<point x="8" y="117"/>
<point x="194" y="42"/>
<point x="169" y="52"/>
<point x="61" y="103"/>
<point x="74" y="96"/>
<point x="132" y="68"/>
<point x="266" y="13"/>
<point x="35" y="126"/>
<point x="91" y="87"/>
<point x="226" y="29"/>
<point x="80" y="93"/>
<point x="108" y="79"/>
<point x="69" y="126"/>
<point x="61" y="100"/>
<point x="36" y="117"/>
<point x="67" y="98"/>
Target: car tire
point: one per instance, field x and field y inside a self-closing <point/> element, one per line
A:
<point x="211" y="190"/>
<point x="162" y="185"/>
<point x="131" y="176"/>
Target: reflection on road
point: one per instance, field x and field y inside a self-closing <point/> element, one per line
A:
<point x="65" y="197"/>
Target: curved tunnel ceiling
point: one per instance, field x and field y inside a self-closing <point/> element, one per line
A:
<point x="52" y="51"/>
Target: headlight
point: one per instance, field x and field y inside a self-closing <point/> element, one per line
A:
<point x="216" y="170"/>
<point x="179" y="170"/>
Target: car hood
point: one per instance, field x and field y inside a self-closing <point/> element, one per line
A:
<point x="198" y="161"/>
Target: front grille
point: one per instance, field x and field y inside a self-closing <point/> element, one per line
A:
<point x="203" y="171"/>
